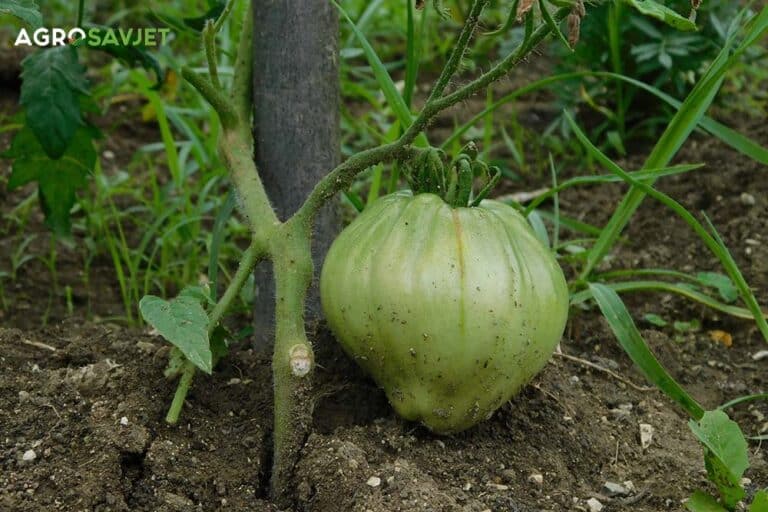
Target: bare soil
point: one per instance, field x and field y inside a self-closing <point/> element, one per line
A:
<point x="88" y="397"/>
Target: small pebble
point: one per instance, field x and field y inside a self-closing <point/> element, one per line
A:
<point x="109" y="155"/>
<point x="747" y="199"/>
<point x="594" y="505"/>
<point x="29" y="456"/>
<point x="760" y="355"/>
<point x="612" y="489"/>
<point x="124" y="421"/>
<point x="497" y="487"/>
<point x="536" y="478"/>
<point x="374" y="481"/>
<point x="646" y="435"/>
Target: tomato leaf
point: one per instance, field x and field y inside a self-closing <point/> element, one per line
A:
<point x="725" y="453"/>
<point x="58" y="179"/>
<point x="663" y="13"/>
<point x="702" y="502"/>
<point x="52" y="81"/>
<point x="26" y="10"/>
<point x="183" y="322"/>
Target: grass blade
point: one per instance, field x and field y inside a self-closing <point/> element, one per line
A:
<point x="609" y="178"/>
<point x="676" y="288"/>
<point x="681" y="126"/>
<point x="633" y="344"/>
<point x="713" y="243"/>
<point x="729" y="136"/>
<point x="395" y="100"/>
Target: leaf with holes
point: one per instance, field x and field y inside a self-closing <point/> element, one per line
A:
<point x="58" y="179"/>
<point x="52" y="82"/>
<point x="725" y="453"/>
<point x="183" y="322"/>
<point x="26" y="10"/>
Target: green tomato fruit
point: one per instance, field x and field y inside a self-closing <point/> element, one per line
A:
<point x="451" y="310"/>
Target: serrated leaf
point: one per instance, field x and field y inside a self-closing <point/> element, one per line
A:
<point x="702" y="502"/>
<point x="725" y="453"/>
<point x="183" y="322"/>
<point x="663" y="13"/>
<point x="722" y="283"/>
<point x="26" y="10"/>
<point x="52" y="81"/>
<point x="58" y="179"/>
<point x="759" y="502"/>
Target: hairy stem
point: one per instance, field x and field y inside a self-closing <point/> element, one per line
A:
<point x="249" y="258"/>
<point x="292" y="358"/>
<point x="213" y="95"/>
<point x="242" y="83"/>
<point x="343" y="175"/>
<point x="209" y="41"/>
<point x="458" y="50"/>
<point x="237" y="153"/>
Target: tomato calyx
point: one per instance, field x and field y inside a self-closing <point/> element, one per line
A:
<point x="454" y="183"/>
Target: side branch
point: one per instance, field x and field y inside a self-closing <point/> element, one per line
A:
<point x="214" y="96"/>
<point x="242" y="84"/>
<point x="343" y="175"/>
<point x="248" y="260"/>
<point x="459" y="49"/>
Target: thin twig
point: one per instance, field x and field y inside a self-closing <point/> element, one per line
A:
<point x="38" y="344"/>
<point x="603" y="369"/>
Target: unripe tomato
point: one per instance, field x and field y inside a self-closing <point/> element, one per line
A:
<point x="451" y="310"/>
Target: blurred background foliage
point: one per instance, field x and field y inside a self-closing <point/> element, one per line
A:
<point x="158" y="187"/>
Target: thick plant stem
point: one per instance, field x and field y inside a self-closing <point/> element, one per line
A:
<point x="185" y="381"/>
<point x="292" y="358"/>
<point x="288" y="244"/>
